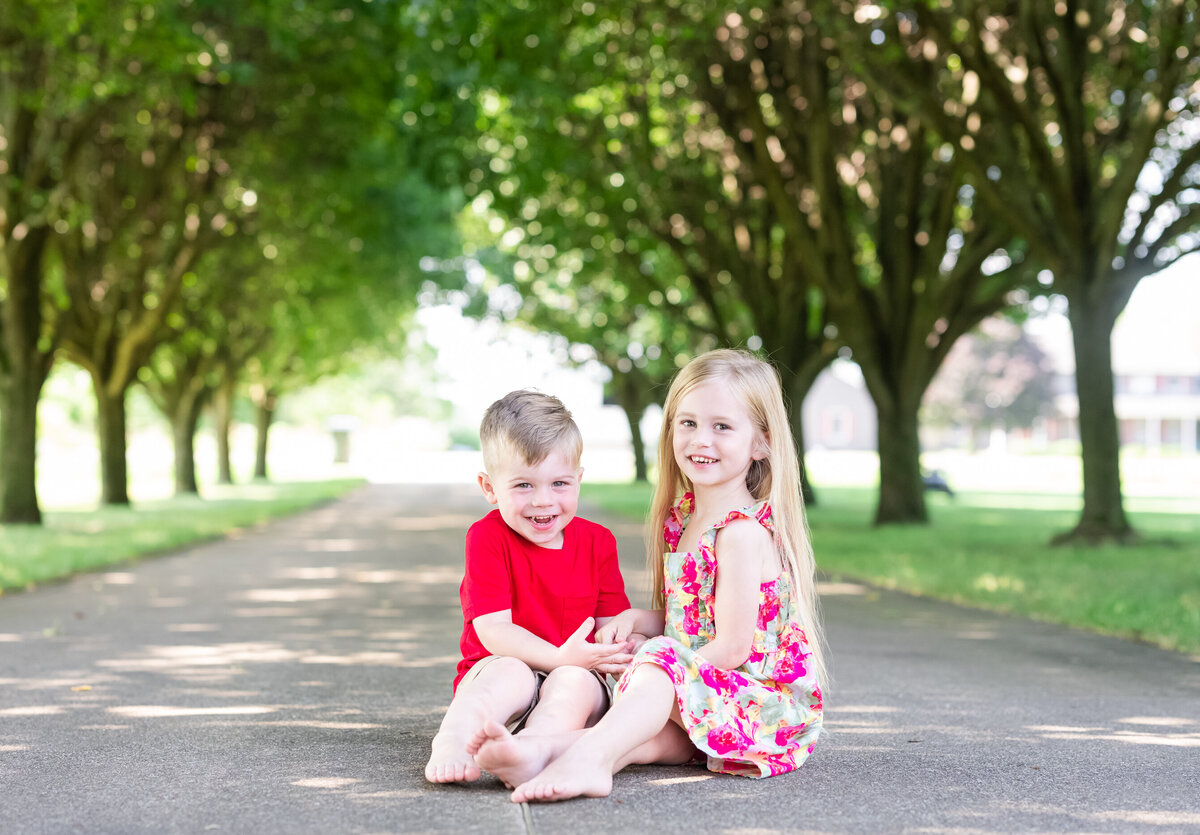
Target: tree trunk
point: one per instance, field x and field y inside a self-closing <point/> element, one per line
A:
<point x="1103" y="518"/>
<point x="183" y="431"/>
<point x="24" y="364"/>
<point x="19" y="394"/>
<point x="901" y="489"/>
<point x="222" y="422"/>
<point x="633" y="414"/>
<point x="265" y="415"/>
<point x="110" y="417"/>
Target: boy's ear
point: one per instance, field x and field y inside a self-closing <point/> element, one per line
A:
<point x="489" y="490"/>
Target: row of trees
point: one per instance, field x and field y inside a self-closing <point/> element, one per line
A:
<point x="815" y="175"/>
<point x="195" y="197"/>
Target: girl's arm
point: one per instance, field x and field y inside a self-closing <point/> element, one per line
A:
<point x="740" y="549"/>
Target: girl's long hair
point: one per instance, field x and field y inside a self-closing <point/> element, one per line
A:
<point x="775" y="478"/>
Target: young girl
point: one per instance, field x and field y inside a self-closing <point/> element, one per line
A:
<point x="736" y="673"/>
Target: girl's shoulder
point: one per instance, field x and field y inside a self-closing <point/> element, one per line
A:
<point x="760" y="512"/>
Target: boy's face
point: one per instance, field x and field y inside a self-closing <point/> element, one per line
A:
<point x="535" y="500"/>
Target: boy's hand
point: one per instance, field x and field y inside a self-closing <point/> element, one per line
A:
<point x="635" y="641"/>
<point x="577" y="652"/>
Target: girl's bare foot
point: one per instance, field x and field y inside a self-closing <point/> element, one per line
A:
<point x="449" y="762"/>
<point x="514" y="759"/>
<point x="579" y="771"/>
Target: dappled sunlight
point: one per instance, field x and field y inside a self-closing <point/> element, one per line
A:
<point x="1178" y="739"/>
<point x="325" y="782"/>
<point x="431" y="574"/>
<point x="290" y="595"/>
<point x="118" y="578"/>
<point x="164" y="712"/>
<point x="337" y="545"/>
<point x="1145" y="818"/>
<point x="62" y="683"/>
<point x="193" y="627"/>
<point x="32" y="710"/>
<point x="432" y="523"/>
<point x="10" y="638"/>
<point x="273" y="612"/>
<point x="674" y="781"/>
<point x="1160" y="721"/>
<point x="325" y="725"/>
<point x="185" y="659"/>
<point x="324" y="572"/>
<point x="976" y="635"/>
<point x="12" y="749"/>
<point x="169" y="602"/>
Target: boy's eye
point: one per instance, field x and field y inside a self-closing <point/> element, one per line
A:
<point x="523" y="484"/>
<point x="561" y="484"/>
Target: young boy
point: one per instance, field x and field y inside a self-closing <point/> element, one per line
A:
<point x="538" y="582"/>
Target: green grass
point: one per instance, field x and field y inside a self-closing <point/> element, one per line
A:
<point x="990" y="550"/>
<point x="71" y="541"/>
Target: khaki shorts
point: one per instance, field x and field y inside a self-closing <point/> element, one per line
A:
<point x="607" y="683"/>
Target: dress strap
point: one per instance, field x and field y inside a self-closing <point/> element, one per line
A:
<point x="760" y="512"/>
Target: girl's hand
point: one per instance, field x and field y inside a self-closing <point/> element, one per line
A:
<point x="617" y="629"/>
<point x="635" y="641"/>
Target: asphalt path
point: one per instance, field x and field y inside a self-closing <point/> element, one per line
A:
<point x="289" y="679"/>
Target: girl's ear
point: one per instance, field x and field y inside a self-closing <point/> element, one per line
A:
<point x="762" y="449"/>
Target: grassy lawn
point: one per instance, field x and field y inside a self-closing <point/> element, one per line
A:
<point x="990" y="550"/>
<point x="80" y="540"/>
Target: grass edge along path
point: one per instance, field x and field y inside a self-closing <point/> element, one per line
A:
<point x="991" y="551"/>
<point x="73" y="541"/>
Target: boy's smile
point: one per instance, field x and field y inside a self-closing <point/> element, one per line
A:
<point x="535" y="500"/>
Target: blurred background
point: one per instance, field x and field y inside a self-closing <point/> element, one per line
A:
<point x="243" y="241"/>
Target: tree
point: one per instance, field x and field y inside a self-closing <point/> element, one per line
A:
<point x="1078" y="121"/>
<point x="994" y="376"/>
<point x="63" y="66"/>
<point x="588" y="144"/>
<point x="873" y="204"/>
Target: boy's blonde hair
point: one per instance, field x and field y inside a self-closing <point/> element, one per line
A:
<point x="775" y="478"/>
<point x="530" y="425"/>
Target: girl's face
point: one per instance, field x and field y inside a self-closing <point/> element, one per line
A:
<point x="714" y="438"/>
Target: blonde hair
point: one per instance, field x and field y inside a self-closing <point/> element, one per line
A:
<point x="528" y="424"/>
<point x="775" y="478"/>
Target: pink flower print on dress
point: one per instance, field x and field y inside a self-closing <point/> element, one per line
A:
<point x="789" y="664"/>
<point x="719" y="680"/>
<point x="727" y="740"/>
<point x="768" y="610"/>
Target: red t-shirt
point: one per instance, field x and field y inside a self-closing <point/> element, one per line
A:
<point x="550" y="591"/>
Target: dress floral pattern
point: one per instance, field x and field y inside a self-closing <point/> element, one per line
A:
<point x="762" y="718"/>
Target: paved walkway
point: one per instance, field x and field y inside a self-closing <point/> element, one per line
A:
<point x="289" y="680"/>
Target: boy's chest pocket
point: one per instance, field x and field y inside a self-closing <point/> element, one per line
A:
<point x="576" y="608"/>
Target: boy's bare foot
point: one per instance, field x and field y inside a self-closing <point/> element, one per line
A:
<point x="514" y="759"/>
<point x="579" y="771"/>
<point x="450" y="763"/>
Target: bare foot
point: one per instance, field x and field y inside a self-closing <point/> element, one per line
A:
<point x="449" y="762"/>
<point x="514" y="759"/>
<point x="579" y="771"/>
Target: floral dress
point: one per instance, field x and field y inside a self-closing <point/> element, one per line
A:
<point x="762" y="718"/>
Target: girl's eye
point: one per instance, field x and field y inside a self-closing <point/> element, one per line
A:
<point x="722" y="425"/>
<point x="688" y="423"/>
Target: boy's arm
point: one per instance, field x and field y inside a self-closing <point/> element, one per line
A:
<point x="500" y="636"/>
